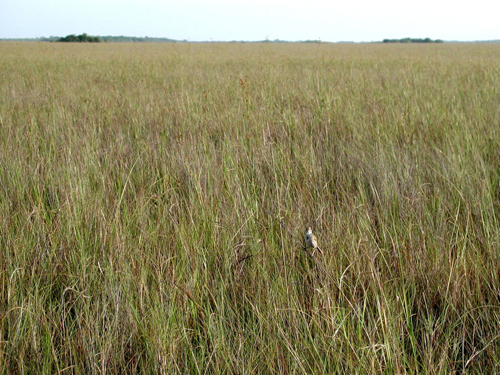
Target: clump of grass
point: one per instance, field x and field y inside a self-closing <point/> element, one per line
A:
<point x="143" y="187"/>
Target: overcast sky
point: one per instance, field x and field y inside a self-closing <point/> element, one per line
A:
<point x="196" y="20"/>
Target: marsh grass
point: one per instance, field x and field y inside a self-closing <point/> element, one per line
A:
<point x="142" y="189"/>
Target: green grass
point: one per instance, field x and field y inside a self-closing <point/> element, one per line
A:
<point x="147" y="193"/>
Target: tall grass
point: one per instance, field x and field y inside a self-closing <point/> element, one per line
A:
<point x="151" y="198"/>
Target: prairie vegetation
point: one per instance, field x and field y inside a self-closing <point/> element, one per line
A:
<point x="151" y="198"/>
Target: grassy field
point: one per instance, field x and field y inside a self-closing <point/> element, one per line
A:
<point x="153" y="200"/>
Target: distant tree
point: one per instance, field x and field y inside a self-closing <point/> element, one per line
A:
<point x="412" y="40"/>
<point x="69" y="39"/>
<point x="83" y="38"/>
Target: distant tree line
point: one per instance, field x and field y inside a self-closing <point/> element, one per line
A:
<point x="276" y="41"/>
<point x="136" y="39"/>
<point x="412" y="40"/>
<point x="116" y="39"/>
<point x="82" y="38"/>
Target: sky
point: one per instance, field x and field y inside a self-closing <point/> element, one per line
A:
<point x="250" y="20"/>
